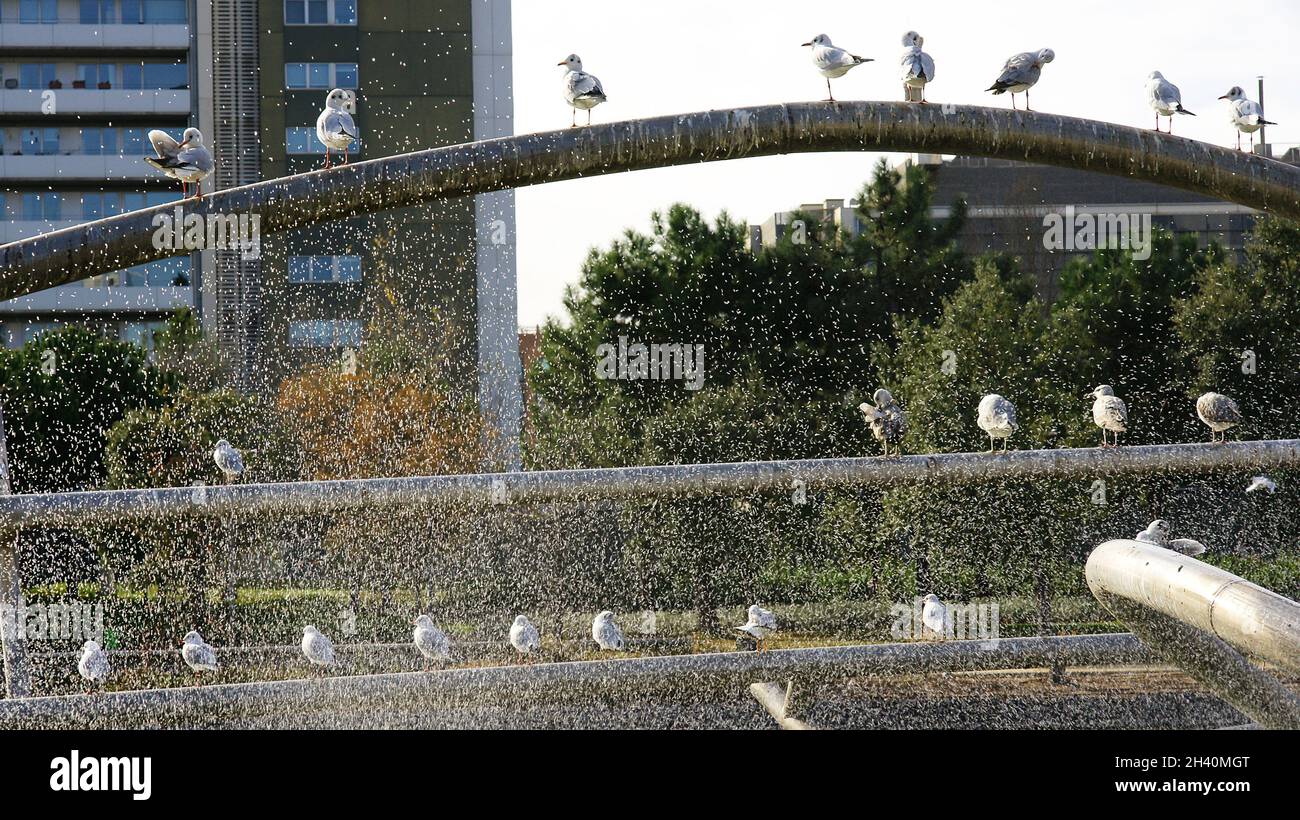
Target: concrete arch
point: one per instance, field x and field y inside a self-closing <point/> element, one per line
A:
<point x="81" y="251"/>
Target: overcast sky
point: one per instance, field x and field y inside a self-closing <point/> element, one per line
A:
<point x="674" y="56"/>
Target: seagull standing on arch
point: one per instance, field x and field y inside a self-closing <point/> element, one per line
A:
<point x="1165" y="98"/>
<point x="1109" y="413"/>
<point x="581" y="90"/>
<point x="1245" y="114"/>
<point x="335" y="126"/>
<point x="997" y="417"/>
<point x="188" y="161"/>
<point x="887" y="420"/>
<point x="832" y="61"/>
<point x="1219" y="413"/>
<point x="918" y="68"/>
<point x="1021" y="73"/>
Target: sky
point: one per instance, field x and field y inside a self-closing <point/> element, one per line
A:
<point x="674" y="56"/>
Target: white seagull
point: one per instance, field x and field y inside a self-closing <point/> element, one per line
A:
<point x="1262" y="482"/>
<point x="997" y="417"/>
<point x="758" y="625"/>
<point x="93" y="664"/>
<point x="887" y="420"/>
<point x="318" y="648"/>
<point x="581" y="90"/>
<point x="1158" y="533"/>
<point x="189" y="160"/>
<point x="1165" y="98"/>
<point x="335" y="126"/>
<point x="431" y="641"/>
<point x="1245" y="114"/>
<point x="198" y="655"/>
<point x="918" y="68"/>
<point x="1109" y="413"/>
<point x="229" y="461"/>
<point x="524" y="636"/>
<point x="606" y="633"/>
<point x="934" y="615"/>
<point x="832" y="61"/>
<point x="1219" y="413"/>
<point x="1021" y="73"/>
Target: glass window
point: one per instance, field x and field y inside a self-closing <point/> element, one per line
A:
<point x="99" y="11"/>
<point x="38" y="11"/>
<point x="134" y="141"/>
<point x="35" y="75"/>
<point x="295" y="12"/>
<point x="317" y="12"/>
<point x="320" y="12"/>
<point x="318" y="75"/>
<point x="325" y="333"/>
<point x="132" y="201"/>
<point x="345" y="12"/>
<point x="92" y="206"/>
<point x="345" y="75"/>
<point x="166" y="75"/>
<point x="91" y="142"/>
<point x="131" y="11"/>
<point x="295" y="75"/>
<point x="31" y="143"/>
<point x="298" y="140"/>
<point x="165" y="12"/>
<point x="133" y="75"/>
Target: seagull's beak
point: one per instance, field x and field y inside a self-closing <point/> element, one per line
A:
<point x="1224" y="97"/>
<point x="183" y="144"/>
<point x="562" y="62"/>
<point x="804" y="45"/>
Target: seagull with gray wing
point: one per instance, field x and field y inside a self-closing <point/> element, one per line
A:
<point x="832" y="61"/>
<point x="758" y="624"/>
<point x="887" y="420"/>
<point x="1109" y="413"/>
<point x="606" y="633"/>
<point x="1246" y="115"/>
<point x="229" y="461"/>
<point x="189" y="160"/>
<point x="997" y="417"/>
<point x="934" y="616"/>
<point x="524" y="637"/>
<point x="198" y="655"/>
<point x="317" y="648"/>
<point x="1158" y="533"/>
<point x="431" y="641"/>
<point x="581" y="90"/>
<point x="1165" y="98"/>
<point x="1021" y="73"/>
<point x="93" y="665"/>
<point x="918" y="68"/>
<point x="335" y="126"/>
<point x="1219" y="413"/>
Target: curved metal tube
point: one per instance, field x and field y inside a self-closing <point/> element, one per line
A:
<point x="75" y="253"/>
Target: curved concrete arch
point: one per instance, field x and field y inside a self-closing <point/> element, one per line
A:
<point x="110" y="244"/>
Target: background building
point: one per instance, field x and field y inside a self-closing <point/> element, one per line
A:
<point x="81" y="83"/>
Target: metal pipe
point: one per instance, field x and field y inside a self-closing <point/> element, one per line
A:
<point x="647" y="677"/>
<point x="776" y="700"/>
<point x="1203" y="619"/>
<point x="110" y="506"/>
<point x="74" y="253"/>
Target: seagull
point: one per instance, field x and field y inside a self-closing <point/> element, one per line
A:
<point x="335" y="126"/>
<point x="524" y="636"/>
<point x="189" y="160"/>
<point x="832" y="61"/>
<point x="318" y="648"/>
<point x="1219" y="413"/>
<point x="198" y="655"/>
<point x="93" y="664"/>
<point x="1109" y="413"/>
<point x="918" y="68"/>
<point x="997" y="417"/>
<point x="887" y="420"/>
<point x="759" y="624"/>
<point x="431" y="641"/>
<point x="606" y="633"/>
<point x="1021" y="73"/>
<point x="1262" y="482"/>
<point x="1165" y="98"/>
<point x="581" y="90"/>
<point x="1245" y="114"/>
<point x="229" y="461"/>
<point x="1158" y="533"/>
<point x="934" y="615"/>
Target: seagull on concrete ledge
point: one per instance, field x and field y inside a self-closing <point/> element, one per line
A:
<point x="758" y="625"/>
<point x="524" y="637"/>
<point x="1109" y="413"/>
<point x="918" y="68"/>
<point x="887" y="420"/>
<point x="1245" y="114"/>
<point x="1165" y="98"/>
<point x="1158" y="533"/>
<point x="317" y="648"/>
<point x="229" y="461"/>
<point x="1219" y="413"/>
<point x="997" y="417"/>
<point x="198" y="655"/>
<point x="1021" y="73"/>
<point x="431" y="641"/>
<point x="189" y="160"/>
<point x="832" y="61"/>
<point x="335" y="126"/>
<point x="581" y="90"/>
<point x="934" y="615"/>
<point x="606" y="633"/>
<point x="93" y="665"/>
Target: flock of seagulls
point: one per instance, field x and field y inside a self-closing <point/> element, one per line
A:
<point x="996" y="416"/>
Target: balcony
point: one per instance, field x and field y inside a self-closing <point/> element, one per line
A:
<point x="25" y="103"/>
<point x="79" y="298"/>
<point x="80" y="38"/>
<point x="97" y="169"/>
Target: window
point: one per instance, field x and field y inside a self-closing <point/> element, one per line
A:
<point x="92" y="74"/>
<point x="35" y="330"/>
<point x="325" y="333"/>
<point x="35" y="75"/>
<point x="99" y="142"/>
<point x="320" y="75"/>
<point x="40" y="141"/>
<point x="156" y="75"/>
<point x="320" y="12"/>
<point x="99" y="11"/>
<point x="317" y="269"/>
<point x="92" y="206"/>
<point x="141" y="334"/>
<point x="163" y="12"/>
<point x="40" y="207"/>
<point x="302" y="140"/>
<point x="38" y="11"/>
